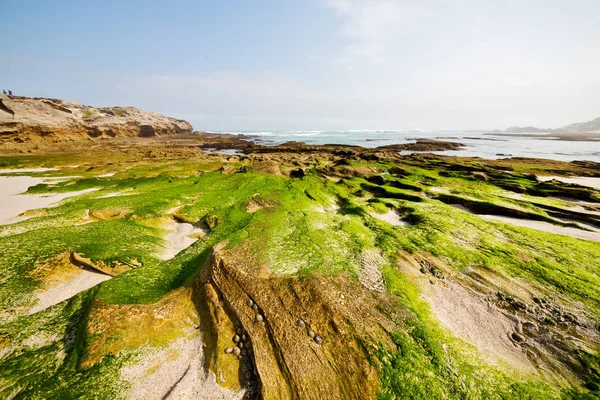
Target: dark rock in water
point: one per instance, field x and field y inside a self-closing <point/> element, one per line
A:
<point x="298" y="173"/>
<point x="318" y="339"/>
<point x="424" y="145"/>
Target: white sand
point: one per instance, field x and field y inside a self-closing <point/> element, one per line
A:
<point x="161" y="376"/>
<point x="83" y="281"/>
<point x="471" y="317"/>
<point x="583" y="181"/>
<point x="10" y="171"/>
<point x="391" y="217"/>
<point x="116" y="194"/>
<point x="178" y="237"/>
<point x="546" y="227"/>
<point x="369" y="274"/>
<point x="13" y="202"/>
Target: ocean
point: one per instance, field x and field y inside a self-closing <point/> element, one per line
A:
<point x="485" y="144"/>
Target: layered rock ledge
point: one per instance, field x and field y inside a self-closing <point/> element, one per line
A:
<point x="41" y="120"/>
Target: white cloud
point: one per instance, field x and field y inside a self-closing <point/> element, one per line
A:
<point x="373" y="25"/>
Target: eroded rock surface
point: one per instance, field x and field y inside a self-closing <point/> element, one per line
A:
<point x="39" y="120"/>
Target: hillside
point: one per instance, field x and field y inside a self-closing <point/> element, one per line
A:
<point x="27" y="120"/>
<point x="592" y="126"/>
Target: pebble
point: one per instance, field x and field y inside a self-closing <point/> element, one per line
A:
<point x="236" y="339"/>
<point x="236" y="351"/>
<point x="318" y="339"/>
<point x="241" y="345"/>
<point x="244" y="338"/>
<point x="311" y="334"/>
<point x="300" y="324"/>
<point x="258" y="318"/>
<point x="341" y="296"/>
<point x="250" y="303"/>
<point x="228" y="350"/>
<point x="239" y="331"/>
<point x="255" y="307"/>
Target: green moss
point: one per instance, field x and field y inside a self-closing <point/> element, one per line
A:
<point x="305" y="225"/>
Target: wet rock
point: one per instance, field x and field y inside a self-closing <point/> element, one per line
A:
<point x="311" y="334"/>
<point x="318" y="339"/>
<point x="241" y="345"/>
<point x="236" y="351"/>
<point x="258" y="318"/>
<point x="239" y="331"/>
<point x="228" y="350"/>
<point x="250" y="303"/>
<point x="300" y="324"/>
<point x="236" y="339"/>
<point x="244" y="338"/>
<point x="255" y="307"/>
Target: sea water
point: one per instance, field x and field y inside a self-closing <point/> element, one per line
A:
<point x="485" y="144"/>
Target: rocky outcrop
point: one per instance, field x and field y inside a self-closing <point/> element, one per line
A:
<point x="40" y="120"/>
<point x="309" y="337"/>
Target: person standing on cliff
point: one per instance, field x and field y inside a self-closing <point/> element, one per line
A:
<point x="9" y="92"/>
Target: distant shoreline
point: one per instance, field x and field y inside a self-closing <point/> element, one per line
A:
<point x="566" y="136"/>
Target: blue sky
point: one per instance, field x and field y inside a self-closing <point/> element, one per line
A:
<point x="313" y="64"/>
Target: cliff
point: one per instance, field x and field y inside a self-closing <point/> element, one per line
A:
<point x="38" y="120"/>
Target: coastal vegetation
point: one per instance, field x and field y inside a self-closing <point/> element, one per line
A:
<point x="369" y="251"/>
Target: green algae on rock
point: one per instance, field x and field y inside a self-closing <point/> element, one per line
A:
<point x="366" y="248"/>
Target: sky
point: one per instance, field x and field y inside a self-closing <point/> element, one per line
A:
<point x="262" y="65"/>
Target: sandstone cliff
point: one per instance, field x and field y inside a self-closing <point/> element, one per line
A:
<point x="38" y="120"/>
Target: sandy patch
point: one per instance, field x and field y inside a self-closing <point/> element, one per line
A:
<point x="81" y="282"/>
<point x="391" y="217"/>
<point x="13" y="201"/>
<point x="474" y="319"/>
<point x="116" y="194"/>
<point x="369" y="274"/>
<point x="583" y="181"/>
<point x="175" y="372"/>
<point x="26" y="170"/>
<point x="546" y="227"/>
<point x="179" y="237"/>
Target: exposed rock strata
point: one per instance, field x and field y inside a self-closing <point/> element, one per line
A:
<point x="41" y="120"/>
